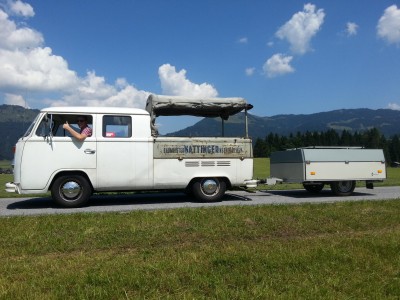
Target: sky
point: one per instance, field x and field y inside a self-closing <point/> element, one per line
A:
<point x="284" y="57"/>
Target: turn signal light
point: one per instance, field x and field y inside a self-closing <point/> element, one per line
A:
<point x="379" y="171"/>
<point x="312" y="173"/>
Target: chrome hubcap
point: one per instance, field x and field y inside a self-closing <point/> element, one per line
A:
<point x="71" y="189"/>
<point x="209" y="186"/>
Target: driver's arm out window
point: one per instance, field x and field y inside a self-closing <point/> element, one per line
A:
<point x="57" y="121"/>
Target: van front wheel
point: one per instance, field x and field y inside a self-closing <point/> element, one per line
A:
<point x="71" y="190"/>
<point x="209" y="189"/>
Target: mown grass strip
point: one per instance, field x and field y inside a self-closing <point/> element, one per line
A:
<point x="343" y="250"/>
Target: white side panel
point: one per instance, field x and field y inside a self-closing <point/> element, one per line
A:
<point x="345" y="171"/>
<point x="174" y="173"/>
<point x="124" y="164"/>
<point x="42" y="158"/>
<point x="116" y="164"/>
<point x="18" y="160"/>
<point x="144" y="163"/>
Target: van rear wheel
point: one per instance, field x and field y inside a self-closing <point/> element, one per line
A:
<point x="71" y="190"/>
<point x="209" y="189"/>
<point x="343" y="188"/>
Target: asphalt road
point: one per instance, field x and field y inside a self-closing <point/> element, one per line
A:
<point x="152" y="201"/>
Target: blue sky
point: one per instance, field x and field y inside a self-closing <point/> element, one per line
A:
<point x="284" y="57"/>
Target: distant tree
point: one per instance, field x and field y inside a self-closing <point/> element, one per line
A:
<point x="261" y="148"/>
<point x="346" y="139"/>
<point x="332" y="138"/>
<point x="298" y="140"/>
<point x="372" y="139"/>
<point x="394" y="148"/>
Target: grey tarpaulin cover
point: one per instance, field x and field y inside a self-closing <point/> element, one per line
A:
<point x="159" y="105"/>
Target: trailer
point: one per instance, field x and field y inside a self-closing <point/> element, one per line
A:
<point x="339" y="167"/>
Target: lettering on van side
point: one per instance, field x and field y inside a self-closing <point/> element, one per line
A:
<point x="185" y="150"/>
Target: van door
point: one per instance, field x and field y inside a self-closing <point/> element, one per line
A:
<point x="123" y="157"/>
<point x="50" y="150"/>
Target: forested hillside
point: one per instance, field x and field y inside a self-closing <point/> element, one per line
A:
<point x="371" y="139"/>
<point x="14" y="120"/>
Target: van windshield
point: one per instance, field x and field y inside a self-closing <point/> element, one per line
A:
<point x="29" y="130"/>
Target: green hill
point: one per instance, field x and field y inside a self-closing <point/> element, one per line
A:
<point x="387" y="121"/>
<point x="14" y="120"/>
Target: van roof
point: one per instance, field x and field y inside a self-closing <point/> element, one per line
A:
<point x="95" y="109"/>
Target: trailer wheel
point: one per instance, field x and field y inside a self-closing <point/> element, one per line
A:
<point x="209" y="189"/>
<point x="314" y="188"/>
<point x="343" y="188"/>
<point x="71" y="190"/>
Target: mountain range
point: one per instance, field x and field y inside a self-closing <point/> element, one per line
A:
<point x="387" y="121"/>
<point x="14" y="120"/>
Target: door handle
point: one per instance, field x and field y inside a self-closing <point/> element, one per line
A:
<point x="90" y="151"/>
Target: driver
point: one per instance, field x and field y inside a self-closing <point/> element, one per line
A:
<point x="85" y="130"/>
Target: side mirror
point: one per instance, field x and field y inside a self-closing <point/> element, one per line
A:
<point x="51" y="125"/>
<point x="45" y="128"/>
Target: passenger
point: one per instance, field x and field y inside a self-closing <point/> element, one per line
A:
<point x="85" y="130"/>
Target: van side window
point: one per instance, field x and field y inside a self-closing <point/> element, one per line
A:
<point x="117" y="126"/>
<point x="54" y="122"/>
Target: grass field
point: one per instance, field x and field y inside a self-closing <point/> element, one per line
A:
<point x="325" y="251"/>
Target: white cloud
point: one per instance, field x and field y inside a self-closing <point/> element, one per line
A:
<point x="12" y="99"/>
<point x="389" y="25"/>
<point x="176" y="83"/>
<point x="301" y="28"/>
<point x="394" y="106"/>
<point x="93" y="90"/>
<point x="277" y="65"/>
<point x="24" y="64"/>
<point x="243" y="40"/>
<point x="250" y="71"/>
<point x="351" y="28"/>
<point x="35" y="69"/>
<point x="12" y="38"/>
<point x="22" y="9"/>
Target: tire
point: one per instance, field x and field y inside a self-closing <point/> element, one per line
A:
<point x="314" y="188"/>
<point x="188" y="191"/>
<point x="209" y="189"/>
<point x="343" y="188"/>
<point x="71" y="190"/>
